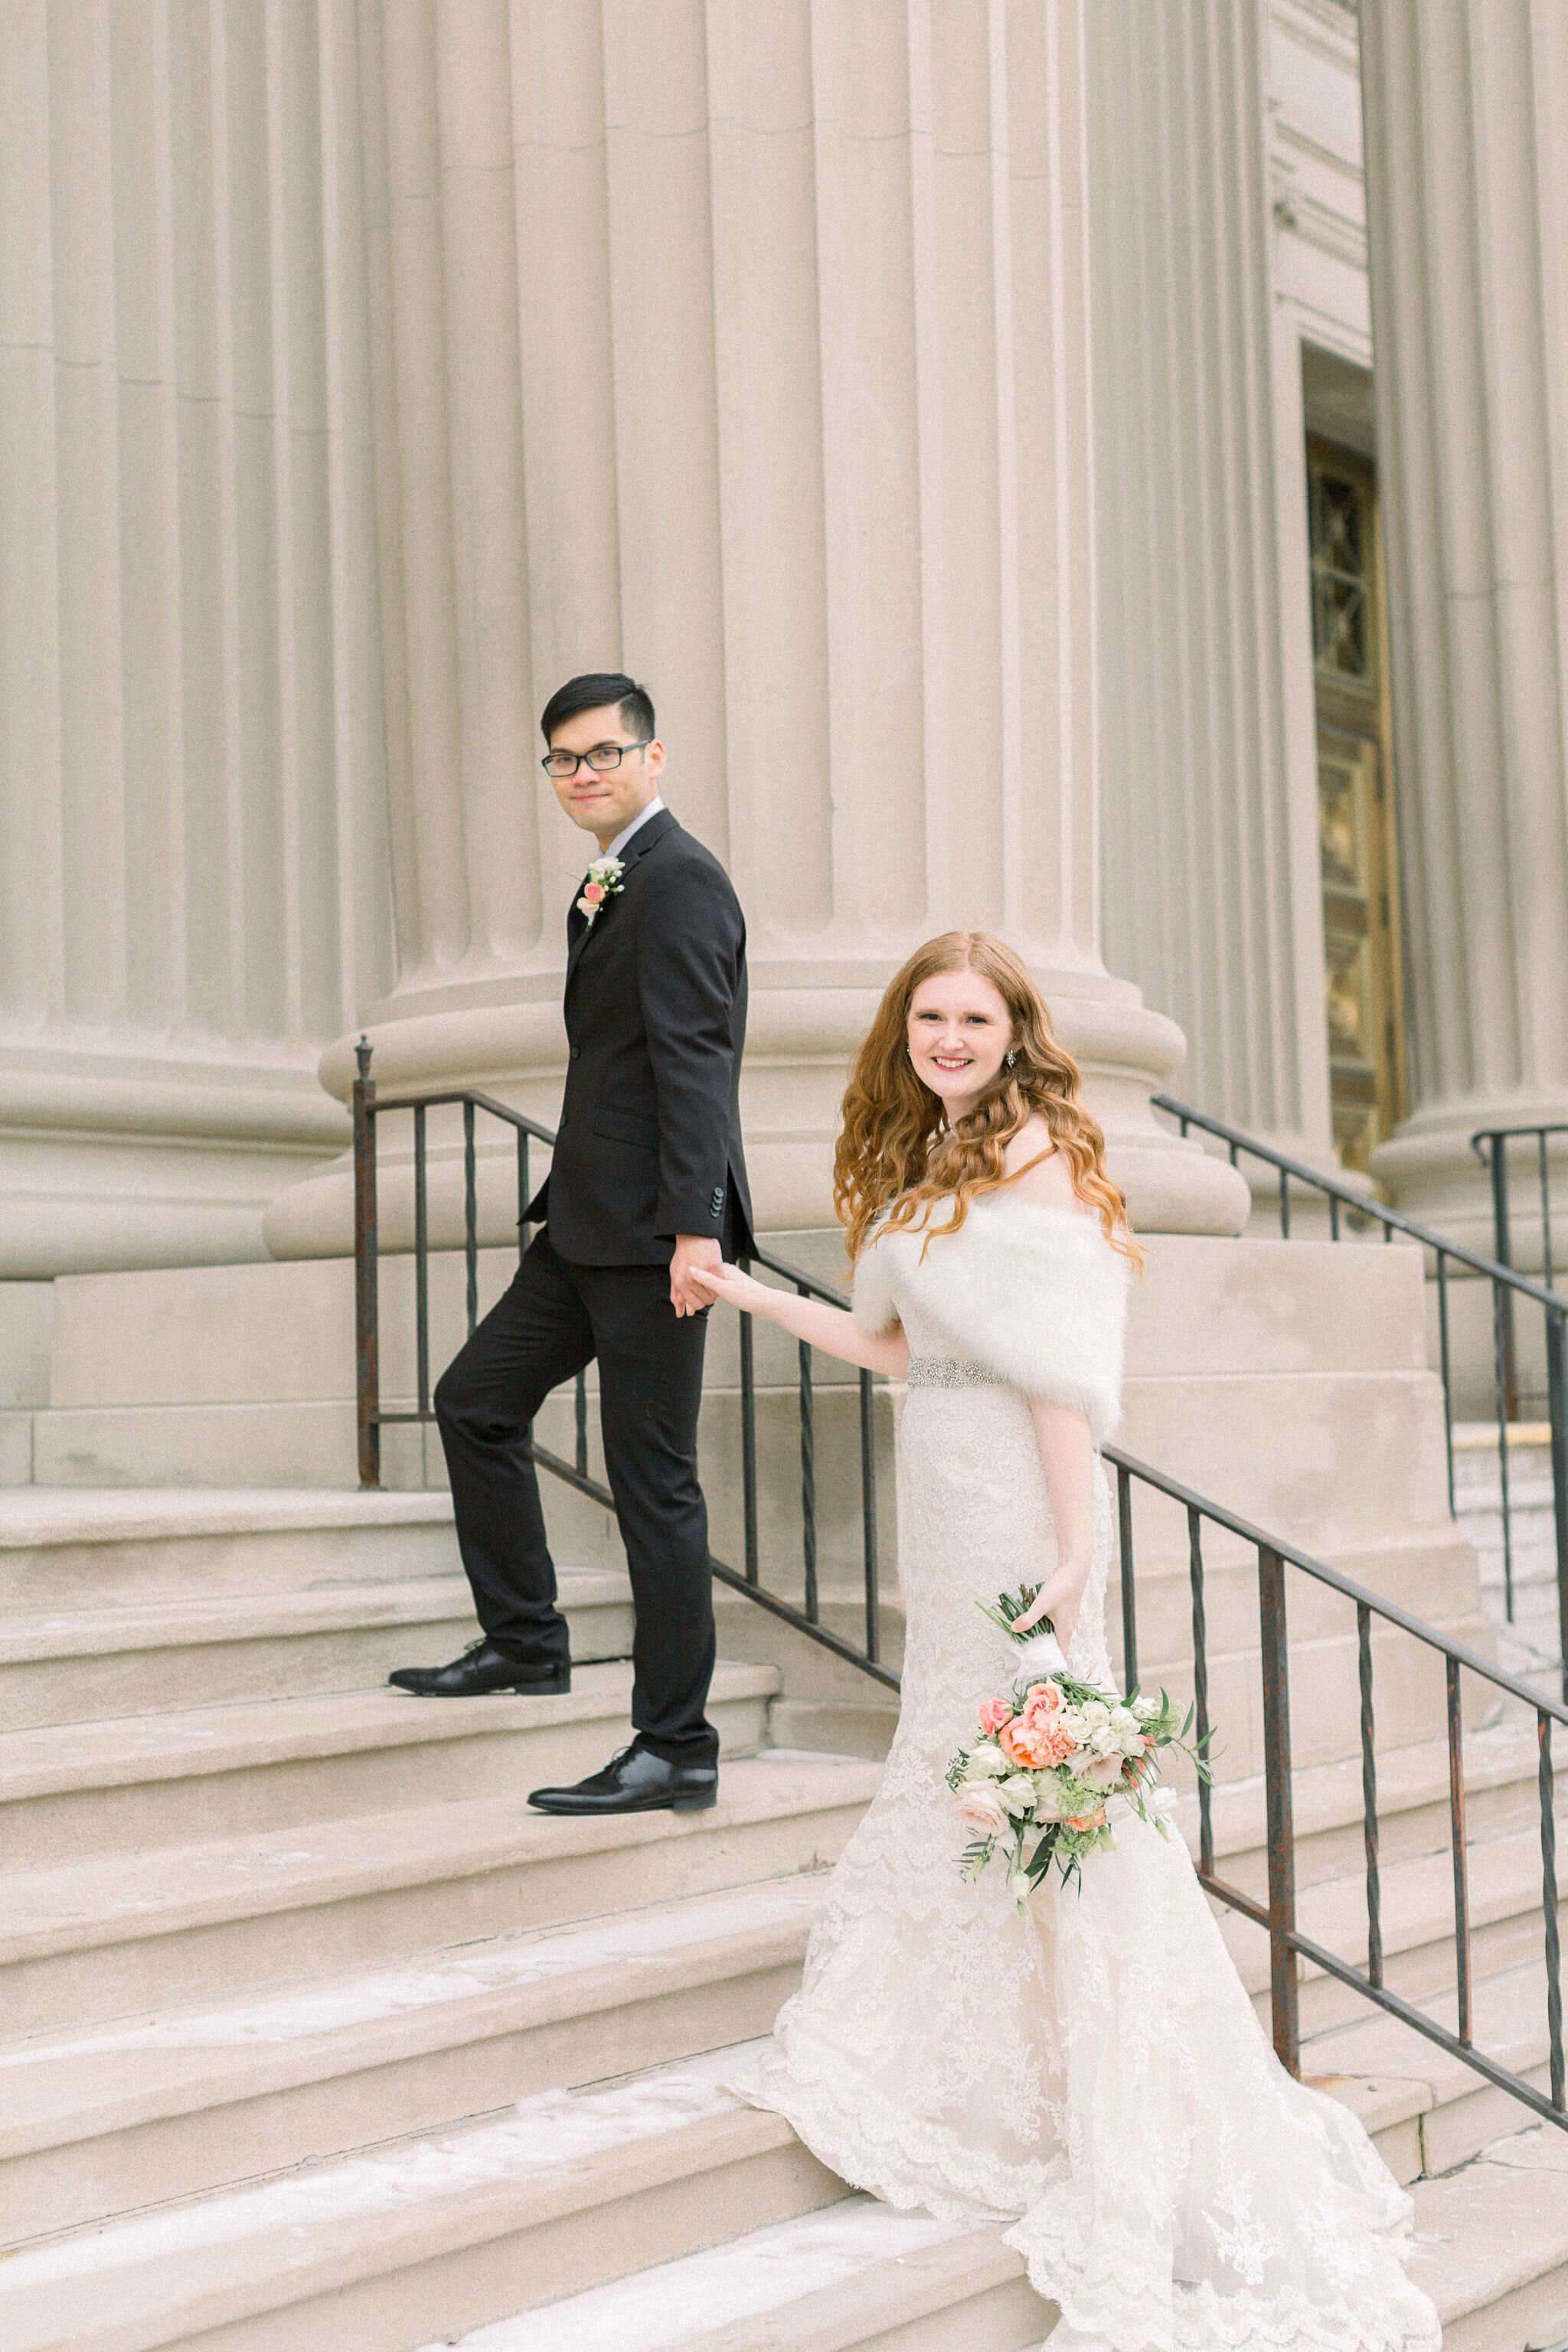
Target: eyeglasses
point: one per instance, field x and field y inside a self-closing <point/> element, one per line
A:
<point x="604" y="759"/>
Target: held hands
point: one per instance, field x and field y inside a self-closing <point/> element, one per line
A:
<point x="694" y="1255"/>
<point x="713" y="1279"/>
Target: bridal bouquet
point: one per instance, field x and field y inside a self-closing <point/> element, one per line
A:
<point x="1058" y="1761"/>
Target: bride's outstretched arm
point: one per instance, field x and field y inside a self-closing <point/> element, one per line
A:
<point x="1067" y="1453"/>
<point x="832" y="1328"/>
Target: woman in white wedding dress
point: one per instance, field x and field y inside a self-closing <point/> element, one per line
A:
<point x="1091" y="2072"/>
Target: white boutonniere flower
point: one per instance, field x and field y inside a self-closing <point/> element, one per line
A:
<point x="604" y="882"/>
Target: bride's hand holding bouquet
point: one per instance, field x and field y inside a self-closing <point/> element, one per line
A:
<point x="1059" y="1761"/>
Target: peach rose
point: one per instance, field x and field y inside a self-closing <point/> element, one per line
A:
<point x="1045" y="1698"/>
<point x="594" y="892"/>
<point x="1028" y="1740"/>
<point x="1095" y="1821"/>
<point x="1103" y="1774"/>
<point x="995" y="1713"/>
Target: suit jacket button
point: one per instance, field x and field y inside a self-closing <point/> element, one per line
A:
<point x="718" y="1199"/>
<point x="576" y="1053"/>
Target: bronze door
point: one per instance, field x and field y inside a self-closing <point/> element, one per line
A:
<point x="1357" y="846"/>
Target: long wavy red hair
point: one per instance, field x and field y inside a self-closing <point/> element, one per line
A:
<point x="895" y="1151"/>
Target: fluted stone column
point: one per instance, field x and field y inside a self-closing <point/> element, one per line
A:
<point x="743" y="346"/>
<point x="192" y="864"/>
<point x="1467" y="142"/>
<point x="1212" y="889"/>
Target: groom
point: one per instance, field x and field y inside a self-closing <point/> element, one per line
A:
<point x="648" y="1181"/>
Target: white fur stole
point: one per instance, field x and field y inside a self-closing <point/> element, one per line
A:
<point x="1037" y="1294"/>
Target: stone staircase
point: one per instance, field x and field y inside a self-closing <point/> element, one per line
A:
<point x="314" y="2036"/>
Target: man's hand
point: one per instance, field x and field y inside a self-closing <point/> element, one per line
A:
<point x="691" y="1250"/>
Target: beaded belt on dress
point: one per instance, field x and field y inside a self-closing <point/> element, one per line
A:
<point x="947" y="1372"/>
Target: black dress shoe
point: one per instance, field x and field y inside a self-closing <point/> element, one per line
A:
<point x="483" y="1668"/>
<point x="635" y="1781"/>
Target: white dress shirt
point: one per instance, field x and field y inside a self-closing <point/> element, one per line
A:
<point x="627" y="831"/>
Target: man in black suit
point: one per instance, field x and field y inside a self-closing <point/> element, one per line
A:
<point x="648" y="1181"/>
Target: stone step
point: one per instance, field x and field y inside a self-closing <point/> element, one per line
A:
<point x="117" y="1935"/>
<point x="138" y="1782"/>
<point x="1492" y="2251"/>
<point x="855" y="2274"/>
<point x="65" y="1549"/>
<point x="1430" y="2112"/>
<point x="84" y="1665"/>
<point x="1501" y="1794"/>
<point x="1417" y="1913"/>
<point x="1430" y="1573"/>
<point x="177" y="2105"/>
<point x="1325" y="1699"/>
<point x="430" y="2236"/>
<point x="835" y="1726"/>
<point x="1493" y="2246"/>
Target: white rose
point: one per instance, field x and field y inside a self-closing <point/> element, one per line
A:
<point x="1016" y="1791"/>
<point x="1123" y="1719"/>
<point x="979" y="1805"/>
<point x="987" y="1762"/>
<point x="1096" y="1713"/>
<point x="1103" y="1741"/>
<point x="1131" y="1742"/>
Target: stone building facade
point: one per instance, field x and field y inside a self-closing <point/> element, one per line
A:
<point x="962" y="414"/>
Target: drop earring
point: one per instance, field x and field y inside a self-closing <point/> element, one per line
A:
<point x="1012" y="1057"/>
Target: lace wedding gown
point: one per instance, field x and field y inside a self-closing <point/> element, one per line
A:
<point x="1092" y="2071"/>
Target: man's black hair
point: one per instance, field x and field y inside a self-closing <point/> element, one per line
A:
<point x="592" y="692"/>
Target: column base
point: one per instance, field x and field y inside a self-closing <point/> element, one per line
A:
<point x="111" y="1161"/>
<point x="1432" y="1173"/>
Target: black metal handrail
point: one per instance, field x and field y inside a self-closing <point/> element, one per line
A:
<point x="1286" y="1942"/>
<point x="1490" y="1145"/>
<point x="1508" y="1288"/>
<point x="369" y="1107"/>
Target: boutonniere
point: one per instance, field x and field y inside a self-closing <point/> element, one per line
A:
<point x="604" y="882"/>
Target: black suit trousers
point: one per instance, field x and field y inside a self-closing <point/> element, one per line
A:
<point x="555" y="1318"/>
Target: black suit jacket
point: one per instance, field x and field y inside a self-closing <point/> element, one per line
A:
<point x="649" y="1141"/>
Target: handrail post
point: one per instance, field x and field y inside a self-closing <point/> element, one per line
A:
<point x="367" y="1369"/>
<point x="470" y="1219"/>
<point x="808" y="1481"/>
<point x="1557" y="1408"/>
<point x="869" y="1515"/>
<point x="1201" y="1689"/>
<point x="1503" y="1252"/>
<point x="421" y="1263"/>
<point x="1456" y="1844"/>
<point x="1549" y="1907"/>
<point x="749" y="1441"/>
<point x="1129" y="1587"/>
<point x="1281" y="1825"/>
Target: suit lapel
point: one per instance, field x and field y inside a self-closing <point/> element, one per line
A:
<point x="579" y="930"/>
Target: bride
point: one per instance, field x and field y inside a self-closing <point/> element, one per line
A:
<point x="1091" y="2072"/>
